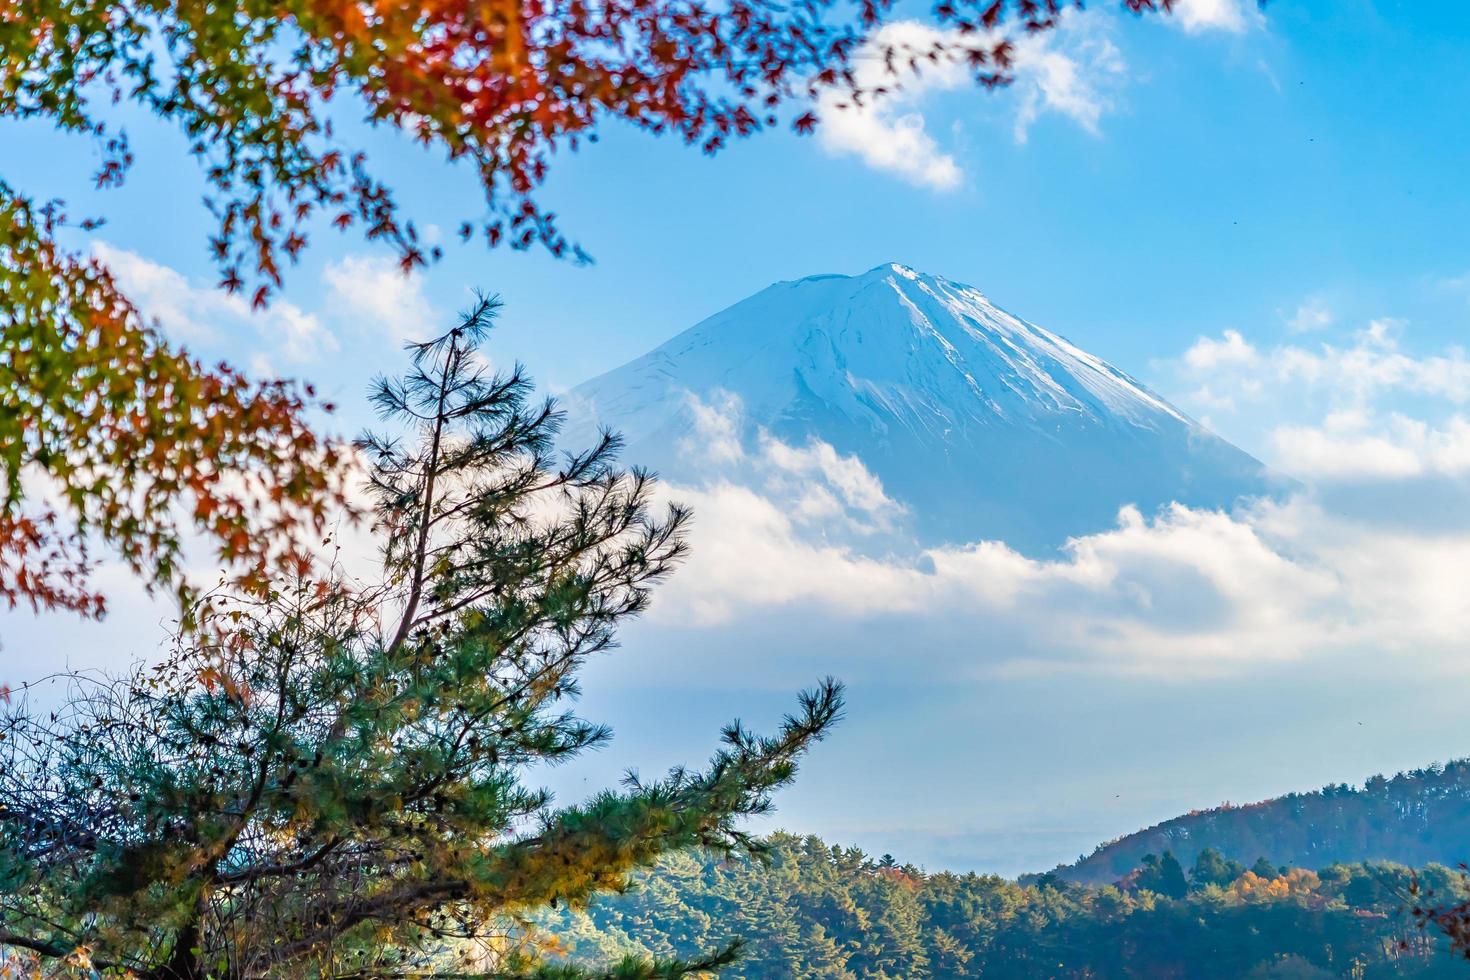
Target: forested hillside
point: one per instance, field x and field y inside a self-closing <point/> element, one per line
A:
<point x="819" y="911"/>
<point x="1414" y="818"/>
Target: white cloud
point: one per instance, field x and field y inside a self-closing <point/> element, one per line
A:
<point x="1350" y="374"/>
<point x="1356" y="447"/>
<point x="1231" y="349"/>
<point x="1369" y="368"/>
<point x="1065" y="72"/>
<point x="375" y="290"/>
<point x="888" y="132"/>
<point x="1359" y="409"/>
<point x="817" y="482"/>
<point x="716" y="435"/>
<point x="821" y="468"/>
<point x="197" y="314"/>
<point x="1382" y="333"/>
<point x="1183" y="591"/>
<point x="370" y="290"/>
<point x="749" y="552"/>
<point x="1311" y="315"/>
<point x="1071" y="83"/>
<point x="1308" y="451"/>
<point x="1070" y="72"/>
<point x="1199" y="16"/>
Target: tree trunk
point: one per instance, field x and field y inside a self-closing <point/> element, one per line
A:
<point x="185" y="961"/>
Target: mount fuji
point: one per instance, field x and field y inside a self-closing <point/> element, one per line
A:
<point x="982" y="425"/>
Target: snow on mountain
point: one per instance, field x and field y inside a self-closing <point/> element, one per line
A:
<point x="983" y="425"/>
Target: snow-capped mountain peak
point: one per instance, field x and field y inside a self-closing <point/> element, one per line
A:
<point x="983" y="423"/>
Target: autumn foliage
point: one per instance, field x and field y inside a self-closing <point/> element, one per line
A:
<point x="114" y="432"/>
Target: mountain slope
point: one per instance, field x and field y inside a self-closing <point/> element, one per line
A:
<point x="1415" y="818"/>
<point x="818" y="911"/>
<point x="984" y="425"/>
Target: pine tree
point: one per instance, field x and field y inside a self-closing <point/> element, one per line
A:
<point x="1163" y="876"/>
<point x="327" y="780"/>
<point x="1171" y="877"/>
<point x="1213" y="868"/>
<point x="1263" y="868"/>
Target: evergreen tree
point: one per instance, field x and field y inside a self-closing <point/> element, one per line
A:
<point x="1213" y="868"/>
<point x="1148" y="876"/>
<point x="1171" y="877"/>
<point x="824" y="959"/>
<point x="1163" y="876"/>
<point x="327" y="781"/>
<point x="1264" y="868"/>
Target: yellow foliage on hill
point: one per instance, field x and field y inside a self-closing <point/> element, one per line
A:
<point x="1296" y="882"/>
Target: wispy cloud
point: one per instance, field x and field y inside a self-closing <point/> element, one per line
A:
<point x="1067" y="72"/>
<point x="816" y="482"/>
<point x="362" y="291"/>
<point x="1072" y="72"/>
<point x="1208" y="354"/>
<point x="1358" y="445"/>
<point x="889" y="132"/>
<point x="1368" y="366"/>
<point x="200" y="314"/>
<point x="1358" y="407"/>
<point x="1314" y="314"/>
<point x="375" y="292"/>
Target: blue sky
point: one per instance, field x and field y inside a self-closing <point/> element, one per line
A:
<point x="1231" y="176"/>
<point x="1263" y="217"/>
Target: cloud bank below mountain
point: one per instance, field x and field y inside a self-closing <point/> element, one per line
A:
<point x="1182" y="590"/>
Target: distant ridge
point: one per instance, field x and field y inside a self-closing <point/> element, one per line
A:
<point x="1414" y="818"/>
<point x="984" y="425"/>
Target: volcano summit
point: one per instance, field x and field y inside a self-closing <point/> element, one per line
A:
<point x="983" y="425"/>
